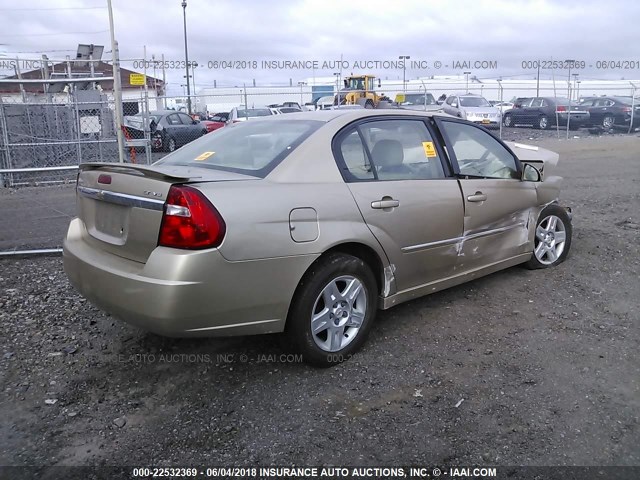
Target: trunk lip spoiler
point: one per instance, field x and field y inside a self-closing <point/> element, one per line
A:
<point x="124" y="199"/>
<point x="146" y="170"/>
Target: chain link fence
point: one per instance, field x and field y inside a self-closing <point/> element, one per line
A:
<point x="44" y="137"/>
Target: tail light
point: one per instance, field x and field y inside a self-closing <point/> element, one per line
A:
<point x="190" y="221"/>
<point x="561" y="108"/>
<point x="626" y="109"/>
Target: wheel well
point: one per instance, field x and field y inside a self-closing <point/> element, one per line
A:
<point x="367" y="255"/>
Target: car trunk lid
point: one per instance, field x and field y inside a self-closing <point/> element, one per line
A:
<point x="121" y="205"/>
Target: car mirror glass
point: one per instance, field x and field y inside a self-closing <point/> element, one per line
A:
<point x="531" y="173"/>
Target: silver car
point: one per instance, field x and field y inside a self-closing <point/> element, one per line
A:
<point x="474" y="108"/>
<point x="309" y="224"/>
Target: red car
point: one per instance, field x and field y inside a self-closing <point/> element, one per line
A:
<point x="216" y="121"/>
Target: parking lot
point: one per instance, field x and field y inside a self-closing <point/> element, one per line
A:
<point x="517" y="368"/>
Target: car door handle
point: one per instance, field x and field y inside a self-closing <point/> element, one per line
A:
<point x="477" y="197"/>
<point x="386" y="202"/>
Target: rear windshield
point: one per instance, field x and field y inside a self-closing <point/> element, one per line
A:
<point x="474" y="102"/>
<point x="254" y="112"/>
<point x="252" y="148"/>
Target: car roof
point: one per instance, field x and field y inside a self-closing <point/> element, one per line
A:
<point x="350" y="114"/>
<point x="165" y="112"/>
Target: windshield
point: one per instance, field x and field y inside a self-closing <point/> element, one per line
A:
<point x="254" y="112"/>
<point x="418" y="99"/>
<point x="474" y="102"/>
<point x="252" y="148"/>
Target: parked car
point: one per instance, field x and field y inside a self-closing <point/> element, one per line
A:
<point x="220" y="119"/>
<point x="168" y="129"/>
<point x="502" y="106"/>
<point x="545" y="112"/>
<point x="216" y="121"/>
<point x="610" y="112"/>
<point x="288" y="110"/>
<point x="309" y="223"/>
<point x="417" y="101"/>
<point x="325" y="103"/>
<point x="241" y="114"/>
<point x="474" y="108"/>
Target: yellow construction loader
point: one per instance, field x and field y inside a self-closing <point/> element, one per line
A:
<point x="360" y="90"/>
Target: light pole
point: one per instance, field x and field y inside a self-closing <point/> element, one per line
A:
<point x="186" y="54"/>
<point x="337" y="75"/>
<point x="466" y="76"/>
<point x="301" y="85"/>
<point x="404" y="58"/>
<point x="501" y="106"/>
<point x="193" y="78"/>
<point x="575" y="79"/>
<point x="570" y="63"/>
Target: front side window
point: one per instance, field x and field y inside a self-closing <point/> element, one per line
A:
<point x="478" y="153"/>
<point x="395" y="150"/>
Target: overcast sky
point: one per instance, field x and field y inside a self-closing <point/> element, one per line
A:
<point x="507" y="32"/>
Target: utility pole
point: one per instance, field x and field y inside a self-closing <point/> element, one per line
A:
<point x="117" y="89"/>
<point x="186" y="54"/>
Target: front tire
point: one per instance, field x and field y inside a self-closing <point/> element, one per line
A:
<point x="607" y="122"/>
<point x="368" y="104"/>
<point x="507" y="120"/>
<point x="333" y="309"/>
<point x="552" y="238"/>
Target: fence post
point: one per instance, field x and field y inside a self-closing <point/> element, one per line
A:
<point x="78" y="125"/>
<point x="5" y="146"/>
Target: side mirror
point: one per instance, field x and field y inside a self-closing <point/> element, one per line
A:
<point x="531" y="173"/>
<point x="196" y="121"/>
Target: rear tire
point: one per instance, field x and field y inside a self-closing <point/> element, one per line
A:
<point x="552" y="239"/>
<point x="170" y="145"/>
<point x="333" y="309"/>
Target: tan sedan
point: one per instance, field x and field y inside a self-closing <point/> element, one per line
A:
<point x="309" y="223"/>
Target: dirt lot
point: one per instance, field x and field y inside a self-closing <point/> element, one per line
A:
<point x="518" y="368"/>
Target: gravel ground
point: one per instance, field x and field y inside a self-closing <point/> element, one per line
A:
<point x="518" y="368"/>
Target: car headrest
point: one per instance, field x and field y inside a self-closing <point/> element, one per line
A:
<point x="387" y="153"/>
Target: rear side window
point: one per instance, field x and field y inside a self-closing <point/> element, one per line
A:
<point x="390" y="150"/>
<point x="253" y="148"/>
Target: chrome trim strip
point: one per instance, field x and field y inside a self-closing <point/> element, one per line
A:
<point x="121" y="198"/>
<point x="453" y="241"/>
<point x="233" y="325"/>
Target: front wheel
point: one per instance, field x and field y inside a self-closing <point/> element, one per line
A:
<point x="507" y="120"/>
<point x="368" y="104"/>
<point x="552" y="239"/>
<point x="333" y="309"/>
<point x="607" y="122"/>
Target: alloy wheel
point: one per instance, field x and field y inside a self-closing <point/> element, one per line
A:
<point x="338" y="313"/>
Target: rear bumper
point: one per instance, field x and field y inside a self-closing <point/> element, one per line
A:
<point x="180" y="293"/>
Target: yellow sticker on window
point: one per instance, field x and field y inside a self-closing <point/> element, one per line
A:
<point x="204" y="156"/>
<point x="429" y="149"/>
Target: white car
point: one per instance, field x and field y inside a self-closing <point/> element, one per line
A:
<point x="241" y="114"/>
<point x="503" y="106"/>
